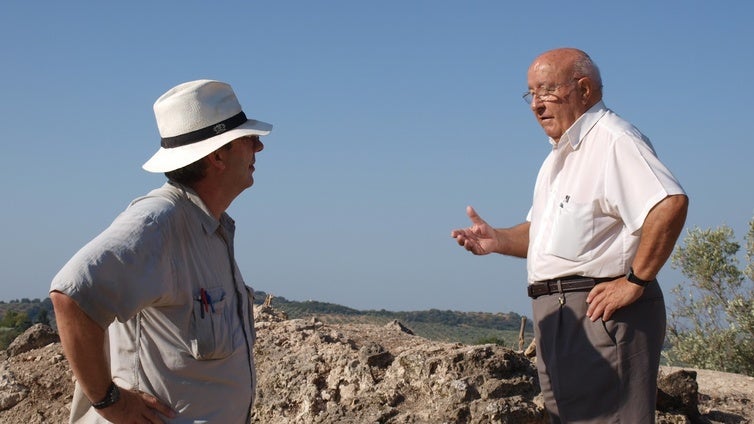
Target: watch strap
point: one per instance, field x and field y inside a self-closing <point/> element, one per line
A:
<point x="112" y="396"/>
<point x="636" y="280"/>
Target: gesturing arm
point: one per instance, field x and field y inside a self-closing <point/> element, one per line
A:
<point x="481" y="238"/>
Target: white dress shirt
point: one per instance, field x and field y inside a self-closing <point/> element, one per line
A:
<point x="592" y="194"/>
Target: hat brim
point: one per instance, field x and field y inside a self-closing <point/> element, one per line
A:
<point x="166" y="160"/>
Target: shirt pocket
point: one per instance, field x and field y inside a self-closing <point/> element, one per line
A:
<point x="572" y="231"/>
<point x="211" y="316"/>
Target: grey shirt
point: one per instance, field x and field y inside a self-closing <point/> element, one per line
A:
<point x="164" y="282"/>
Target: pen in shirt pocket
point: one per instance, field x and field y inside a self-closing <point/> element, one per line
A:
<point x="565" y="200"/>
<point x="209" y="301"/>
<point x="206" y="302"/>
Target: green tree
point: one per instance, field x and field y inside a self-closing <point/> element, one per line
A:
<point x="43" y="317"/>
<point x="9" y="319"/>
<point x="12" y="324"/>
<point x="712" y="323"/>
<point x="490" y="340"/>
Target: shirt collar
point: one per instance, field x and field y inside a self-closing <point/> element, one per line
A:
<point x="582" y="126"/>
<point x="209" y="223"/>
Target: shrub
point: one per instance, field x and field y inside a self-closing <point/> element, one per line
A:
<point x="712" y="323"/>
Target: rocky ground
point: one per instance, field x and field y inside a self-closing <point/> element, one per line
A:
<point x="310" y="372"/>
<point x="722" y="397"/>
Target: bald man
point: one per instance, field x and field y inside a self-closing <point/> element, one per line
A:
<point x="605" y="216"/>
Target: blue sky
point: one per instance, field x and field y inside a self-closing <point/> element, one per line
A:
<point x="390" y="117"/>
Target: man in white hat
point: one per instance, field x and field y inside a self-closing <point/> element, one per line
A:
<point x="154" y="316"/>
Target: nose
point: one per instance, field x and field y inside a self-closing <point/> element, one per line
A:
<point x="537" y="106"/>
<point x="258" y="145"/>
<point x="535" y="102"/>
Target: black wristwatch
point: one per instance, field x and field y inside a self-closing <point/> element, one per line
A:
<point x="112" y="396"/>
<point x="636" y="280"/>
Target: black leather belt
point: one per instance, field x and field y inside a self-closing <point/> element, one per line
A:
<point x="571" y="283"/>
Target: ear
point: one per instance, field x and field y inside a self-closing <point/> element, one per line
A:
<point x="216" y="159"/>
<point x="586" y="89"/>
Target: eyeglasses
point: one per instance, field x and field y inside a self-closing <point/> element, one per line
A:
<point x="546" y="94"/>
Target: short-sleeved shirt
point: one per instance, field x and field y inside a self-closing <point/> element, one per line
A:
<point x="162" y="279"/>
<point x="592" y="194"/>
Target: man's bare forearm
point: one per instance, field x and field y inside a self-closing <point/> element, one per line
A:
<point x="661" y="229"/>
<point x="514" y="241"/>
<point x="83" y="344"/>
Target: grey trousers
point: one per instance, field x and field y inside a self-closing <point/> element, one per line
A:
<point x="599" y="372"/>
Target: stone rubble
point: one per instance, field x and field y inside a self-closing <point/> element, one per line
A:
<point x="312" y="372"/>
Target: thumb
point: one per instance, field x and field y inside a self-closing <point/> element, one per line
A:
<point x="473" y="216"/>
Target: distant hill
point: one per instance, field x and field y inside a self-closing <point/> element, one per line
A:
<point x="33" y="308"/>
<point x="433" y="324"/>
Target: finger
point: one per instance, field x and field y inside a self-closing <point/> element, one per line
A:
<point x="607" y="314"/>
<point x="594" y="292"/>
<point x="608" y="307"/>
<point x="473" y="216"/>
<point x="595" y="309"/>
<point x="460" y="236"/>
<point x="153" y="418"/>
<point x="153" y="403"/>
<point x="596" y="314"/>
<point x="458" y="233"/>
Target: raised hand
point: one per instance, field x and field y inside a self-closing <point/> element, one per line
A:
<point x="480" y="238"/>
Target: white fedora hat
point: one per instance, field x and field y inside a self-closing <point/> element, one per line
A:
<point x="195" y="119"/>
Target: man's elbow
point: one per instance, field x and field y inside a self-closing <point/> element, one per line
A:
<point x="60" y="300"/>
<point x="65" y="306"/>
<point x="678" y="205"/>
<point x="670" y="214"/>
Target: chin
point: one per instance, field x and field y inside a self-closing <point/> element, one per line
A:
<point x="553" y="134"/>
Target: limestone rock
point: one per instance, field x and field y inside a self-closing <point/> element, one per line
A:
<point x="310" y="372"/>
<point x="314" y="372"/>
<point x="679" y="392"/>
<point x="38" y="335"/>
<point x="11" y="391"/>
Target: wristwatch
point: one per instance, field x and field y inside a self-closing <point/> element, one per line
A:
<point x="112" y="396"/>
<point x="636" y="280"/>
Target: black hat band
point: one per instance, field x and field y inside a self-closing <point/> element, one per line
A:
<point x="204" y="133"/>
